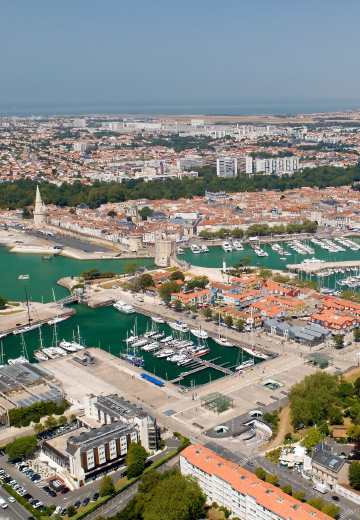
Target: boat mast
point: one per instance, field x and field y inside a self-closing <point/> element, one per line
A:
<point x="2" y="353"/>
<point x="27" y="305"/>
<point x="24" y="351"/>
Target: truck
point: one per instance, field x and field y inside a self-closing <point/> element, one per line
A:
<point x="321" y="488"/>
<point x="3" y="504"/>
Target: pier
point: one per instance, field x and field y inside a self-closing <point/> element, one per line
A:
<point x="314" y="267"/>
<point x="203" y="364"/>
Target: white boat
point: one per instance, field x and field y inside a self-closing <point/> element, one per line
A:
<point x="246" y="364"/>
<point x="39" y="354"/>
<point x="223" y="341"/>
<point x="26" y="328"/>
<point x="226" y="246"/>
<point x="166" y="352"/>
<point x="238" y="246"/>
<point x="180" y="251"/>
<point x="204" y="249"/>
<point x="179" y="325"/>
<point x="68" y="346"/>
<point x="195" y="249"/>
<point x="18" y="361"/>
<point x="124" y="307"/>
<point x="23" y="276"/>
<point x="51" y="352"/>
<point x="157" y="319"/>
<point x="3" y="336"/>
<point x="255" y="353"/>
<point x="59" y="319"/>
<point x="199" y="333"/>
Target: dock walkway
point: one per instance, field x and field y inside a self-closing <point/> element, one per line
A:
<point x="314" y="267"/>
<point x="203" y="365"/>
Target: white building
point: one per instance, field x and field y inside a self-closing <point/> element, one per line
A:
<point x="80" y="122"/>
<point x="80" y="147"/>
<point x="226" y="167"/>
<point x="272" y="165"/>
<point x="240" y="491"/>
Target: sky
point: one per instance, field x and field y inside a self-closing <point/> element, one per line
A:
<point x="158" y="52"/>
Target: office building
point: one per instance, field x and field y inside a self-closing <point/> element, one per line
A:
<point x="240" y="491"/>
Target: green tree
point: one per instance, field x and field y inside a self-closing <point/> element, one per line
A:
<point x="287" y="489"/>
<point x="312" y="438"/>
<point x="135" y="460"/>
<point x="228" y="321"/>
<point x="177" y="304"/>
<point x="331" y="510"/>
<point x="339" y="340"/>
<point x="62" y="420"/>
<point x="177" y="275"/>
<point x="71" y="511"/>
<point x="131" y="268"/>
<point x="146" y="280"/>
<point x="167" y="289"/>
<point x="245" y="261"/>
<point x="145" y="212"/>
<point x="356" y="333"/>
<point x="354" y="475"/>
<point x="39" y="428"/>
<point x="272" y="479"/>
<point x="3" y="302"/>
<point x="207" y="312"/>
<point x="353" y="432"/>
<point x="260" y="473"/>
<point x="112" y="213"/>
<point x="318" y="503"/>
<point x="22" y="447"/>
<point x="106" y="486"/>
<point x="299" y="495"/>
<point x="199" y="282"/>
<point x="239" y="324"/>
<point x="50" y="422"/>
<point x="90" y="274"/>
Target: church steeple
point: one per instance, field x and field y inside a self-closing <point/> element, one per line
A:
<point x="39" y="210"/>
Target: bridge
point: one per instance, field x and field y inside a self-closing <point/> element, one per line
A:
<point x="69" y="299"/>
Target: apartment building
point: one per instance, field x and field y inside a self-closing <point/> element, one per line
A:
<point x="240" y="491"/>
<point x="272" y="165"/>
<point x="226" y="167"/>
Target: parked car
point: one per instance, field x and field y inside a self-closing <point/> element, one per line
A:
<point x="77" y="504"/>
<point x="65" y="490"/>
<point x="95" y="497"/>
<point x="85" y="502"/>
<point x="52" y="493"/>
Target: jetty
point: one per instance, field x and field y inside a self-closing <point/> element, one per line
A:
<point x="202" y="365"/>
<point x="314" y="267"/>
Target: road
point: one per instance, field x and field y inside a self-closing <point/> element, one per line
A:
<point x="14" y="511"/>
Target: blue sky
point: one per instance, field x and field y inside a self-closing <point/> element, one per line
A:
<point x="159" y="52"/>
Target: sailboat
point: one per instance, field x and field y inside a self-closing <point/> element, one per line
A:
<point x="156" y="318"/>
<point x="58" y="318"/>
<point x="39" y="355"/>
<point x="222" y="341"/>
<point x="28" y="327"/>
<point x="20" y="359"/>
<point x="132" y="357"/>
<point x="2" y="356"/>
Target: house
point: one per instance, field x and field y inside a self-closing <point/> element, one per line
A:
<point x="200" y="297"/>
<point x="328" y="468"/>
<point x="340" y="323"/>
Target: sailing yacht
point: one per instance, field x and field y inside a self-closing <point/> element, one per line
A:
<point x="39" y="354"/>
<point x="58" y="318"/>
<point x="199" y="333"/>
<point x="29" y="326"/>
<point x="222" y="341"/>
<point x="21" y="359"/>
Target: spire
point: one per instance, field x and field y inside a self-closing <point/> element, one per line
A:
<point x="38" y="199"/>
<point x="39" y="210"/>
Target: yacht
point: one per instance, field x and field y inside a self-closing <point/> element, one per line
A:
<point x="18" y="361"/>
<point x="246" y="364"/>
<point x="68" y="346"/>
<point x="133" y="359"/>
<point x="23" y="276"/>
<point x="40" y="356"/>
<point x="58" y="319"/>
<point x="204" y="249"/>
<point x="238" y="246"/>
<point x="51" y="352"/>
<point x="255" y="353"/>
<point x="157" y="319"/>
<point x="179" y="325"/>
<point x="27" y="328"/>
<point x="226" y="246"/>
<point x="200" y="351"/>
<point x="199" y="333"/>
<point x="223" y="341"/>
<point x="195" y="249"/>
<point x="180" y="251"/>
<point x="126" y="308"/>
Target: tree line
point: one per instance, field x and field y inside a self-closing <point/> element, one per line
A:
<point x="21" y="193"/>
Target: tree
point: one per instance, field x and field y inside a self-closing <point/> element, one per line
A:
<point x="331" y="510"/>
<point x="71" y="511"/>
<point x="62" y="420"/>
<point x="167" y="289"/>
<point x="244" y="261"/>
<point x="260" y="473"/>
<point x="146" y="280"/>
<point x="338" y="340"/>
<point x="356" y="333"/>
<point x="177" y="304"/>
<point x="177" y="275"/>
<point x="112" y="213"/>
<point x="131" y="268"/>
<point x="39" y="428"/>
<point x="199" y="282"/>
<point x="354" y="475"/>
<point x="135" y="460"/>
<point x="145" y="212"/>
<point x="90" y="274"/>
<point x="106" y="486"/>
<point x="318" y="503"/>
<point x="312" y="438"/>
<point x="299" y="495"/>
<point x="22" y="447"/>
<point x="228" y="320"/>
<point x="50" y="422"/>
<point x="239" y="324"/>
<point x="3" y="302"/>
<point x="272" y="479"/>
<point x="287" y="489"/>
<point x="207" y="312"/>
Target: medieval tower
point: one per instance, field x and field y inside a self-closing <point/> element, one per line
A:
<point x="39" y="211"/>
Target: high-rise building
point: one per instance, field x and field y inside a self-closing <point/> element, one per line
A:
<point x="240" y="491"/>
<point x="272" y="165"/>
<point x="80" y="122"/>
<point x="226" y="167"/>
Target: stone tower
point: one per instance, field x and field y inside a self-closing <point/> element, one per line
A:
<point x="39" y="211"/>
<point x="165" y="250"/>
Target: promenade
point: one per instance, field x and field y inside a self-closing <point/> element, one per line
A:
<point x="314" y="267"/>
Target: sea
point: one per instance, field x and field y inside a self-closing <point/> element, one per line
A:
<point x="107" y="328"/>
<point x="276" y="107"/>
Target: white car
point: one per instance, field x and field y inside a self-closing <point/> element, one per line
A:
<point x="11" y="499"/>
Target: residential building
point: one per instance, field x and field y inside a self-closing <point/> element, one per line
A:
<point x="240" y="491"/>
<point x="272" y="165"/>
<point x="328" y="468"/>
<point x="226" y="167"/>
